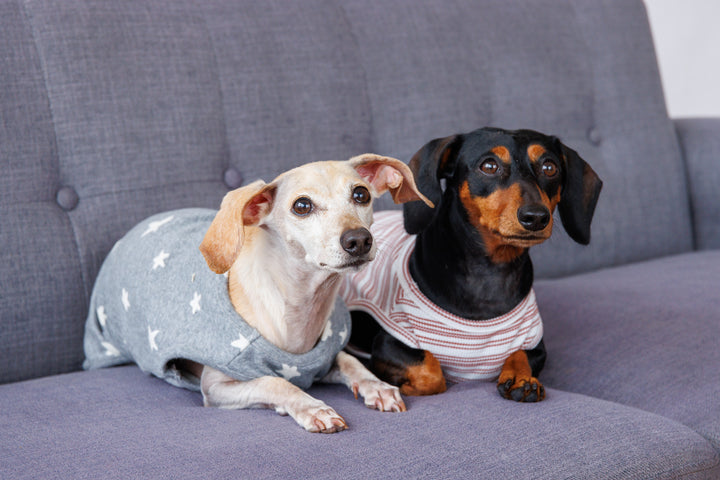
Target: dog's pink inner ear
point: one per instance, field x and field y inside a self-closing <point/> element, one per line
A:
<point x="381" y="177"/>
<point x="257" y="207"/>
<point x="390" y="177"/>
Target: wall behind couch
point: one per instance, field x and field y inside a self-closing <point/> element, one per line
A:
<point x="687" y="42"/>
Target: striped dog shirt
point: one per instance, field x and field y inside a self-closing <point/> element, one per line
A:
<point x="466" y="349"/>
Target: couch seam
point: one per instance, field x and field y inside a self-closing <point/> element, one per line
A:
<point x="150" y="187"/>
<point x="221" y="93"/>
<point x="361" y="61"/>
<point x="118" y="191"/>
<point x="705" y="469"/>
<point x="593" y="72"/>
<point x="680" y="141"/>
<point x="44" y="69"/>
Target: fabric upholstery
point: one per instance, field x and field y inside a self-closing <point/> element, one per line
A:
<point x="643" y="335"/>
<point x="120" y="423"/>
<point x="41" y="285"/>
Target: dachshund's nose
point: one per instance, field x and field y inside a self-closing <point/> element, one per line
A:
<point x="357" y="241"/>
<point x="533" y="217"/>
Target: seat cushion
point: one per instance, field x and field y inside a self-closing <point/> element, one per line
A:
<point x="644" y="335"/>
<point x="121" y="423"/>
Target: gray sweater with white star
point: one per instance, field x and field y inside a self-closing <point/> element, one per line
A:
<point x="155" y="301"/>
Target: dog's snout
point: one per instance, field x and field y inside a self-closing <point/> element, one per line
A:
<point x="533" y="217"/>
<point x="357" y="241"/>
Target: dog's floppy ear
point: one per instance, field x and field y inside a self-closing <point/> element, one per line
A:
<point x="387" y="173"/>
<point x="242" y="207"/>
<point x="433" y="162"/>
<point x="579" y="195"/>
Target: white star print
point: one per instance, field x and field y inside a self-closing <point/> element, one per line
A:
<point x="159" y="260"/>
<point x="195" y="303"/>
<point x="102" y="316"/>
<point x="343" y="334"/>
<point x="110" y="349"/>
<point x="241" y="342"/>
<point x="327" y="333"/>
<point x="151" y="338"/>
<point x="288" y="372"/>
<point x="155" y="226"/>
<point x="125" y="299"/>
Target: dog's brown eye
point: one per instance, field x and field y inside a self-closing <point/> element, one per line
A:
<point x="361" y="195"/>
<point x="302" y="206"/>
<point x="549" y="168"/>
<point x="489" y="167"/>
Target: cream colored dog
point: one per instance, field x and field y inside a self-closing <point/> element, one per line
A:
<point x="285" y="245"/>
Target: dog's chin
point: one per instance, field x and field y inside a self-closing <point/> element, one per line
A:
<point x="523" y="239"/>
<point x="352" y="265"/>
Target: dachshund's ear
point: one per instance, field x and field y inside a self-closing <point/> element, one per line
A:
<point x="432" y="163"/>
<point x="579" y="195"/>
<point x="240" y="208"/>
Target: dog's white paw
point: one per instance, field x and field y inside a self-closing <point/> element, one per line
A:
<point x="380" y="395"/>
<point x="319" y="418"/>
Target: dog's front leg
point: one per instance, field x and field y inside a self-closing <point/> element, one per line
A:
<point x="220" y="390"/>
<point x="517" y="381"/>
<point x="377" y="394"/>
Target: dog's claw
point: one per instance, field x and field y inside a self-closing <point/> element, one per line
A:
<point x="320" y="418"/>
<point x="355" y="389"/>
<point x="336" y="425"/>
<point x="400" y="407"/>
<point x="504" y="388"/>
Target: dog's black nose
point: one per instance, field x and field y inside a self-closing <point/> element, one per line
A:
<point x="533" y="217"/>
<point x="357" y="241"/>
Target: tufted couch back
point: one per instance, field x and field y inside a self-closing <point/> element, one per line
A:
<point x="113" y="111"/>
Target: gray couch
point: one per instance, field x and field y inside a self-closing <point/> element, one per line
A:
<point x="113" y="111"/>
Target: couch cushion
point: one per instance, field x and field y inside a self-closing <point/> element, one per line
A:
<point x="644" y="335"/>
<point x="120" y="423"/>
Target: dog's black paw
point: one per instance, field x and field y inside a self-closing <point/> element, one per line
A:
<point x="522" y="390"/>
<point x="516" y="381"/>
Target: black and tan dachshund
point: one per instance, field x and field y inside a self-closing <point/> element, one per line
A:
<point x="495" y="192"/>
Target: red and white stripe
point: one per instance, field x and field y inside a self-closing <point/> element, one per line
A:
<point x="466" y="349"/>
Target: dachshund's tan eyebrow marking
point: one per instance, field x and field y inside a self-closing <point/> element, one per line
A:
<point x="535" y="151"/>
<point x="502" y="152"/>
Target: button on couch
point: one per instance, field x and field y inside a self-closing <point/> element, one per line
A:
<point x="113" y="111"/>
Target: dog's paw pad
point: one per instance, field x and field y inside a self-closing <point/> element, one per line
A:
<point x="522" y="390"/>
